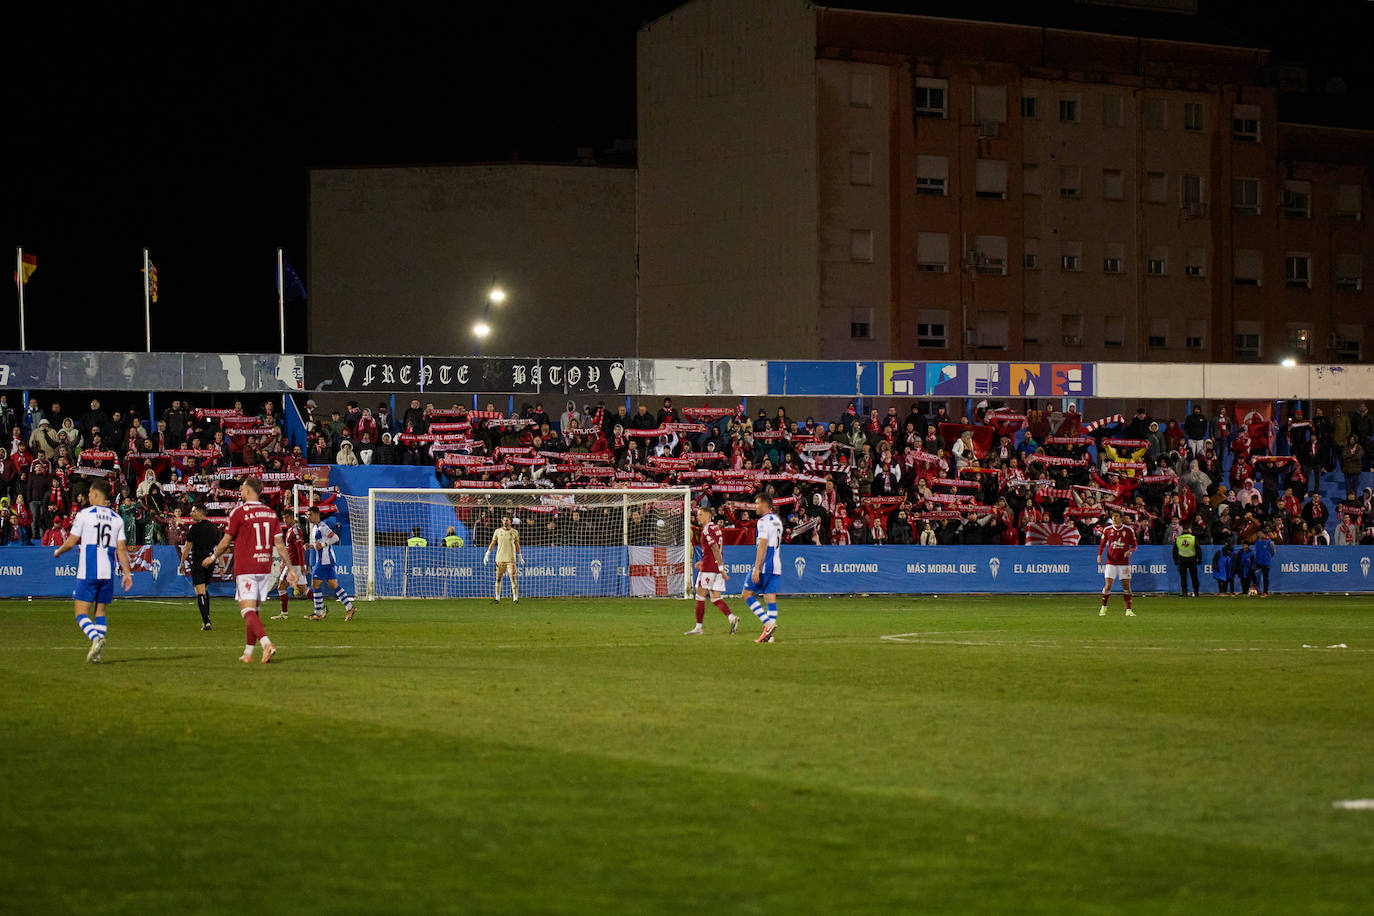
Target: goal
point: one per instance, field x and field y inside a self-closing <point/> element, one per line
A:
<point x="592" y="543"/>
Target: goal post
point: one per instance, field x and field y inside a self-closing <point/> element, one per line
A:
<point x="587" y="542"/>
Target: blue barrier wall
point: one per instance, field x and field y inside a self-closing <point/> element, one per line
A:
<point x="32" y="571"/>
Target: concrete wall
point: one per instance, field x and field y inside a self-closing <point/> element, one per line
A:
<point x="727" y="180"/>
<point x="401" y="259"/>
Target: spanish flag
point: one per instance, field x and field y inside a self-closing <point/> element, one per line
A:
<point x="152" y="282"/>
<point x="28" y="264"/>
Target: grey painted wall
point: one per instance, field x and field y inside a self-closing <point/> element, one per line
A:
<point x="401" y="259"/>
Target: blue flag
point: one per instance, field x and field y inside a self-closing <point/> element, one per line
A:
<point x="295" y="289"/>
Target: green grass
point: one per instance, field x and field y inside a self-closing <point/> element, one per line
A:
<point x="1017" y="756"/>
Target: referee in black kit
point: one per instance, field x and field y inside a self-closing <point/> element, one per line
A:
<point x="201" y="539"/>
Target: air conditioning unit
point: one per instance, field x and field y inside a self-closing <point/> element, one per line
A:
<point x="1194" y="209"/>
<point x="992" y="266"/>
<point x="1348" y="283"/>
<point x="1073" y="340"/>
<point x="988" y="130"/>
<point x="973" y="258"/>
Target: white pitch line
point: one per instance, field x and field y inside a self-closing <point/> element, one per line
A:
<point x="203" y="648"/>
<point x="1354" y="804"/>
<point x="918" y="639"/>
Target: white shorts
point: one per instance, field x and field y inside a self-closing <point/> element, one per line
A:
<point x="1112" y="571"/>
<point x="711" y="581"/>
<point x="253" y="587"/>
<point x="280" y="574"/>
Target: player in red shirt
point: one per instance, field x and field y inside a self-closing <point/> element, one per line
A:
<point x="255" y="532"/>
<point x="1118" y="542"/>
<point x="295" y="549"/>
<point x="711" y="574"/>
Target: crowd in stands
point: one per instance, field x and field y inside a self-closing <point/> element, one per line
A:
<point x="157" y="470"/>
<point x="1047" y="476"/>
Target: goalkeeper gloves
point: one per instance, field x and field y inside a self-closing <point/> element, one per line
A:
<point x="486" y="557"/>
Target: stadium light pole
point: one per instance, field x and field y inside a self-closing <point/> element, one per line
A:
<point x="495" y="296"/>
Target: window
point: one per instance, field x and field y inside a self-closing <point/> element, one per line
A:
<point x="1190" y="195"/>
<point x="1030" y="107"/>
<point x="930" y="328"/>
<point x="1070" y="181"/>
<point x="1071" y="256"/>
<point x="1245" y="123"/>
<point x="1347" y="341"/>
<point x="1192" y="116"/>
<point x="1030" y="254"/>
<point x="1297" y="199"/>
<point x="861" y="90"/>
<point x="1113" y="331"/>
<point x="1030" y="328"/>
<point x="1248" y="267"/>
<point x="1030" y="178"/>
<point x="990" y="179"/>
<point x="994" y="330"/>
<point x="1113" y="108"/>
<point x="1158" y="263"/>
<point x="992" y="254"/>
<point x="1197" y="262"/>
<point x="1299" y="338"/>
<point x="1156" y="187"/>
<point x="1114" y="258"/>
<point x="930" y="97"/>
<point x="1249" y="340"/>
<point x="1071" y="330"/>
<point x="860" y="244"/>
<point x="990" y="104"/>
<point x="1159" y="333"/>
<point x="1196" y="338"/>
<point x="1348" y="200"/>
<point x="1349" y="271"/>
<point x="932" y="252"/>
<point x="1245" y="195"/>
<point x="1113" y="186"/>
<point x="1297" y="270"/>
<point x="1068" y="110"/>
<point x="1156" y="114"/>
<point x="932" y="175"/>
<point x="861" y="323"/>
<point x="860" y="168"/>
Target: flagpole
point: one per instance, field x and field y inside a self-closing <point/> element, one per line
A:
<point x="281" y="302"/>
<point x="147" y="306"/>
<point x="19" y="275"/>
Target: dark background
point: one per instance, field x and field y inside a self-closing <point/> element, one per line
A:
<point x="190" y="130"/>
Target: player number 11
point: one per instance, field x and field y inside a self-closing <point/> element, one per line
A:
<point x="262" y="532"/>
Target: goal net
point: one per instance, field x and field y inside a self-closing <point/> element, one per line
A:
<point x="593" y="543"/>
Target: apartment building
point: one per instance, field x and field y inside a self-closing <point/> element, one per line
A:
<point x="953" y="189"/>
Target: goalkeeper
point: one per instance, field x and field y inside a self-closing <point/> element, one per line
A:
<point x="506" y="541"/>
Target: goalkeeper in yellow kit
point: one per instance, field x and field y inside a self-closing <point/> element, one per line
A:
<point x="506" y="540"/>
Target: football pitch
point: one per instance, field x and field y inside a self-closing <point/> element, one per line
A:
<point x="951" y="755"/>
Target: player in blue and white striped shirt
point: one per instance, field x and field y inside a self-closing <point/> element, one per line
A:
<point x="767" y="573"/>
<point x="323" y="539"/>
<point x="99" y="530"/>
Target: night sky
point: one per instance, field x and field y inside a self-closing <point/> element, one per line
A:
<point x="192" y="135"/>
